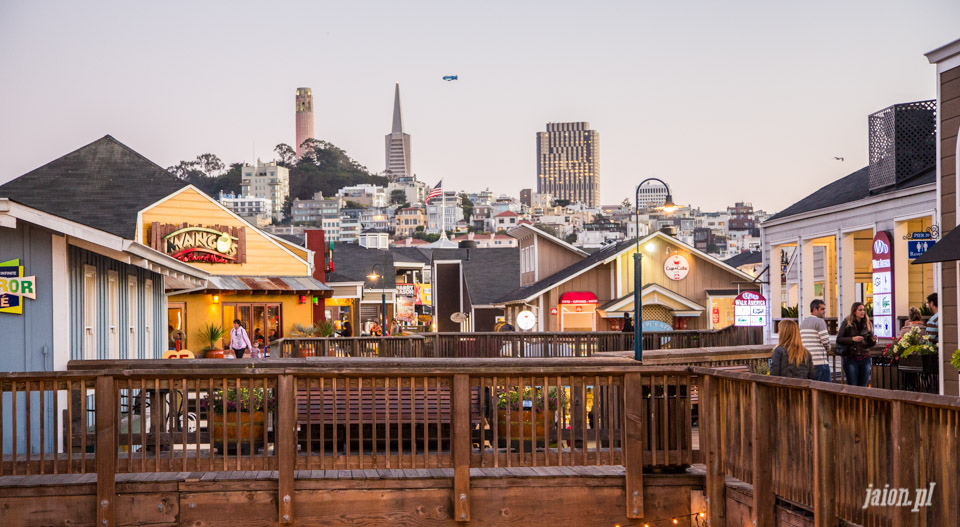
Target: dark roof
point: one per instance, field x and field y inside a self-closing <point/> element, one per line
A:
<point x="563" y="274"/>
<point x="102" y="185"/>
<point x="850" y="188"/>
<point x="292" y="238"/>
<point x="745" y="258"/>
<point x="489" y="273"/>
<point x="353" y="263"/>
<point x="410" y="254"/>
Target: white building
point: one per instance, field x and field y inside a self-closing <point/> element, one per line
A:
<point x="266" y="180"/>
<point x="652" y="194"/>
<point x="366" y="195"/>
<point x="331" y="228"/>
<point x="315" y="210"/>
<point x="413" y="191"/>
<point x="451" y="208"/>
<point x="349" y="229"/>
<point x="258" y="211"/>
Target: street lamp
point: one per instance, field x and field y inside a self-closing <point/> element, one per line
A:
<point x="383" y="296"/>
<point x="668" y="206"/>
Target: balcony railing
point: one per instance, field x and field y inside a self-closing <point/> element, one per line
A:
<point x="513" y="344"/>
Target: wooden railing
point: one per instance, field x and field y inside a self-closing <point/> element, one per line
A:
<point x="512" y="344"/>
<point x="825" y="446"/>
<point x="165" y="416"/>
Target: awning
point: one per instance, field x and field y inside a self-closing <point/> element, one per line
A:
<point x="578" y="297"/>
<point x="945" y="250"/>
<point x="300" y="285"/>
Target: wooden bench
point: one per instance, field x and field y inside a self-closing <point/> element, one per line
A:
<point x="334" y="417"/>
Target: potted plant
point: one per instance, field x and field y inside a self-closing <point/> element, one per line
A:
<point x="915" y="350"/>
<point x="230" y="414"/>
<point x="322" y="329"/>
<point x="526" y="410"/>
<point x="955" y="359"/>
<point x="211" y="335"/>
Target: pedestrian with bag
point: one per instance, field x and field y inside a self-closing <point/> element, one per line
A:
<point x="854" y="342"/>
<point x="790" y="358"/>
<point x="239" y="340"/>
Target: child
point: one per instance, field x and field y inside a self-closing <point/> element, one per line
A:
<point x="255" y="350"/>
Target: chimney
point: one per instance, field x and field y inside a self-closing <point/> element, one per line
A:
<point x="315" y="243"/>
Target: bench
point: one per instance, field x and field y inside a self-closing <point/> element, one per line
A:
<point x="342" y="416"/>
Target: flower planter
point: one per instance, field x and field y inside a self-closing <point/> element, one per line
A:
<point x="234" y="434"/>
<point x="306" y="352"/>
<point x="219" y="354"/>
<point x="521" y="420"/>
<point x="927" y="364"/>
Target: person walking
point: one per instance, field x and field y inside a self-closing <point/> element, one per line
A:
<point x="627" y="324"/>
<point x="933" y="325"/>
<point x="816" y="338"/>
<point x="790" y="358"/>
<point x="856" y="334"/>
<point x="239" y="340"/>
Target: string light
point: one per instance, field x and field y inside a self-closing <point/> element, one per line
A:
<point x="675" y="520"/>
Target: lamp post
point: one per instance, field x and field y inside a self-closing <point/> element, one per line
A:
<point x="668" y="206"/>
<point x="383" y="296"/>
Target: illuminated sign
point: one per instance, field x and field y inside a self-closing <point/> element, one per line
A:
<point x="676" y="267"/>
<point x="14" y="287"/>
<point x="750" y="309"/>
<point x="200" y="243"/>
<point x="884" y="313"/>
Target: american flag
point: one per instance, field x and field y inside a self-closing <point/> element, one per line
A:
<point x="436" y="192"/>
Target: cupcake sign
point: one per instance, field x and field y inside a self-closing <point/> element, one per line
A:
<point x="676" y="267"/>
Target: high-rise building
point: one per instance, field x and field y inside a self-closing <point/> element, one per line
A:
<point x="652" y="194"/>
<point x="398" y="144"/>
<point x="266" y="180"/>
<point x="304" y="117"/>
<point x="568" y="163"/>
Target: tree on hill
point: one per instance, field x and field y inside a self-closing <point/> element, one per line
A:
<point x="467" y="206"/>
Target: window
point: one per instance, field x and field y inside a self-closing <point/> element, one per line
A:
<point x="113" y="312"/>
<point x="148" y="317"/>
<point x="133" y="317"/>
<point x="89" y="312"/>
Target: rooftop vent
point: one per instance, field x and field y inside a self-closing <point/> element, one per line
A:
<point x="903" y="143"/>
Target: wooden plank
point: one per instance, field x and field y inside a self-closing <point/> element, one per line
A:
<point x="286" y="445"/>
<point x="824" y="459"/>
<point x="106" y="421"/>
<point x="905" y="423"/>
<point x="633" y="449"/>
<point x="461" y="447"/>
<point x="764" y="498"/>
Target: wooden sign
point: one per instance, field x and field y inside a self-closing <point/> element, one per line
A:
<point x="200" y="243"/>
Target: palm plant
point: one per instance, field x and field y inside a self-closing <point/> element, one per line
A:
<point x="211" y="335"/>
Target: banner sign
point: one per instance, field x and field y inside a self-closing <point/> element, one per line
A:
<point x="200" y="243"/>
<point x="14" y="287"/>
<point x="884" y="313"/>
<point x="750" y="309"/>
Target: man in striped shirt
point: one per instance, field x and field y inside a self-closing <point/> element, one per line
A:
<point x="813" y="333"/>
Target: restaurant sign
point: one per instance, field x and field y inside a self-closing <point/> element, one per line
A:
<point x="883" y="289"/>
<point x="676" y="267"/>
<point x="200" y="243"/>
<point x="14" y="287"/>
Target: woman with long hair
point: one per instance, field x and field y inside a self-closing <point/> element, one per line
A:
<point x="790" y="358"/>
<point x="856" y="334"/>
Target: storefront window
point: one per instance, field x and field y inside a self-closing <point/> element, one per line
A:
<point x="266" y="317"/>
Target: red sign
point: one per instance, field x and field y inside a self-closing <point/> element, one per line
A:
<point x="882" y="252"/>
<point x="553" y="311"/>
<point x="749" y="298"/>
<point x="578" y="297"/>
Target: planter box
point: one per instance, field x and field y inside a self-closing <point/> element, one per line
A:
<point x="928" y="364"/>
<point x="234" y="434"/>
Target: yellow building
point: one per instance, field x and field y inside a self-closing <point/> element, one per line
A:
<point x="263" y="280"/>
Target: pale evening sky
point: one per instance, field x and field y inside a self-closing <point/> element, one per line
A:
<point x="726" y="101"/>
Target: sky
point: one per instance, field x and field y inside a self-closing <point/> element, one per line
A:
<point x="725" y="101"/>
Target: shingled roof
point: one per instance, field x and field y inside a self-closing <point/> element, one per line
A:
<point x="102" y="185"/>
<point x="489" y="273"/>
<point x="853" y="187"/>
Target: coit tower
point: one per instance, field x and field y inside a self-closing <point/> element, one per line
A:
<point x="304" y="117"/>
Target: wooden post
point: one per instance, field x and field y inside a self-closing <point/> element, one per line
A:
<point x="824" y="459"/>
<point x="286" y="444"/>
<point x="106" y="421"/>
<point x="764" y="499"/>
<point x="710" y="443"/>
<point x="633" y="411"/>
<point x="461" y="447"/>
<point x="904" y="424"/>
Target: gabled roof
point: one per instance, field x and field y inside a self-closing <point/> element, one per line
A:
<point x="353" y="263"/>
<point x="506" y="213"/>
<point x="848" y="189"/>
<point x="674" y="301"/>
<point x="602" y="256"/>
<point x="101" y="185"/>
<point x="518" y="233"/>
<point x="489" y="273"/>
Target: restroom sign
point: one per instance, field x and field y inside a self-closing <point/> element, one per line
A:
<point x="750" y="309"/>
<point x="884" y="313"/>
